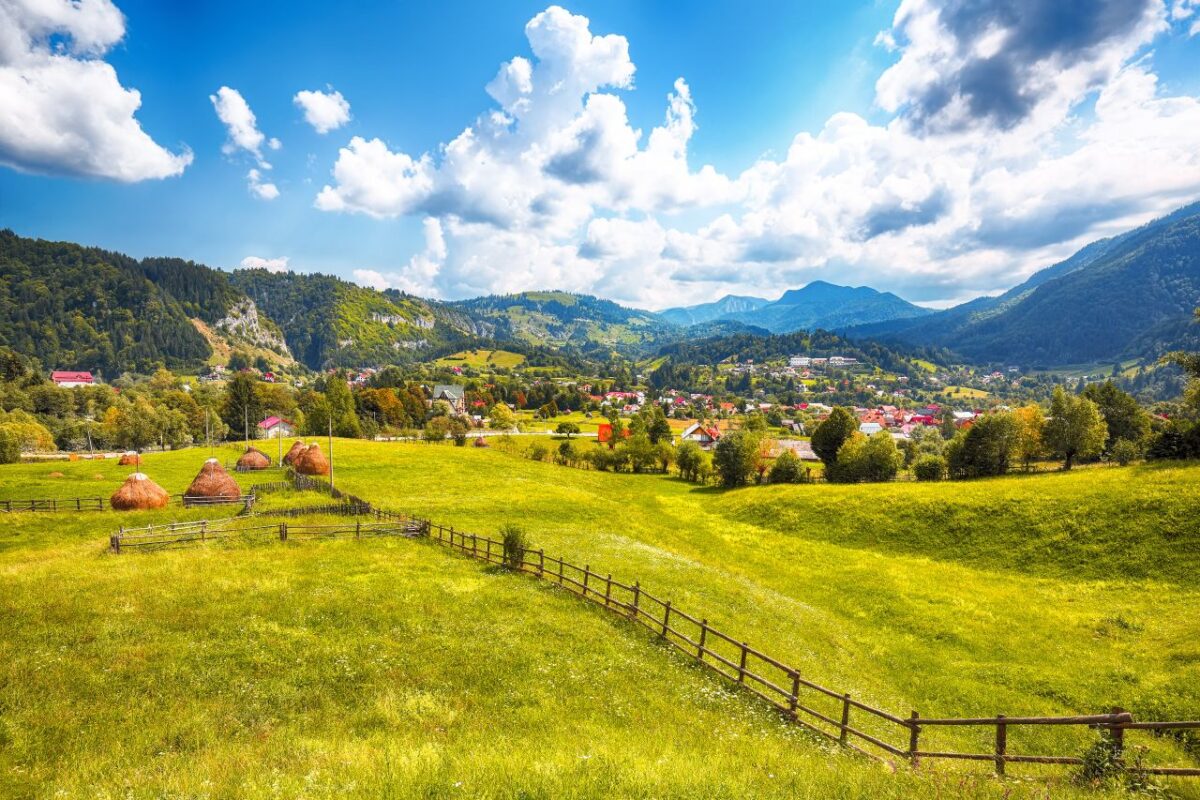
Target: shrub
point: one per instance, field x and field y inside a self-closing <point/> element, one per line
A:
<point x="689" y="458"/>
<point x="831" y="434"/>
<point x="786" y="469"/>
<point x="516" y="543"/>
<point x="986" y="448"/>
<point x="1124" y="451"/>
<point x="538" y="451"/>
<point x="930" y="468"/>
<point x="862" y="459"/>
<point x="10" y="447"/>
<point x="736" y="456"/>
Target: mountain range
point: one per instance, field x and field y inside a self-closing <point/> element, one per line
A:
<point x="1129" y="296"/>
<point x="819" y="305"/>
<point x="76" y="307"/>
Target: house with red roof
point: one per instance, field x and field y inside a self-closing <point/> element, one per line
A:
<point x="275" y="427"/>
<point x="69" y="380"/>
<point x="705" y="436"/>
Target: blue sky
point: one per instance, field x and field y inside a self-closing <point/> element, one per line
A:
<point x="833" y="153"/>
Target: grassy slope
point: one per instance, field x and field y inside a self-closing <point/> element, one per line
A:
<point x="1056" y="593"/>
<point x="370" y="669"/>
<point x="322" y="667"/>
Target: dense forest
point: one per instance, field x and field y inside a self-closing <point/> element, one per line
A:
<point x="78" y="307"/>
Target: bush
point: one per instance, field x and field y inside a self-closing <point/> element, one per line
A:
<point x="516" y="543"/>
<point x="986" y="448"/>
<point x="10" y="447"/>
<point x="1124" y="451"/>
<point x="736" y="457"/>
<point x="689" y="458"/>
<point x="786" y="469"/>
<point x="538" y="451"/>
<point x="861" y="459"/>
<point x="831" y="434"/>
<point x="930" y="468"/>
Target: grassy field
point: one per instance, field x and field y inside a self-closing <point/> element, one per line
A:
<point x="965" y="393"/>
<point x="482" y="359"/>
<point x="391" y="668"/>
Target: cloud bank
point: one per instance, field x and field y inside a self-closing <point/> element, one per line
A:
<point x="63" y="111"/>
<point x="1017" y="130"/>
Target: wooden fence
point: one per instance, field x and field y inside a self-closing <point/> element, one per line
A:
<point x="54" y="504"/>
<point x="840" y="716"/>
<point x="837" y="716"/>
<point x="177" y="534"/>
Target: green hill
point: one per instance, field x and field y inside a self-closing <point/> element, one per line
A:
<point x="78" y="307"/>
<point x="561" y="319"/>
<point x="330" y="322"/>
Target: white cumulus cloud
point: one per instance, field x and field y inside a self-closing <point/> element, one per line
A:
<point x="241" y="125"/>
<point x="279" y="264"/>
<point x="264" y="190"/>
<point x="1016" y="133"/>
<point x="63" y="111"/>
<point x="325" y="111"/>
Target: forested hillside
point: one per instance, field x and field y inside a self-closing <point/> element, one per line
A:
<point x="1127" y="297"/>
<point x="77" y="307"/>
<point x="330" y="322"/>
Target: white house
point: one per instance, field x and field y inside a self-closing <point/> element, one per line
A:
<point x="706" y="437"/>
<point x="870" y="428"/>
<point x="70" y="380"/>
<point x="456" y="396"/>
<point x="274" y="428"/>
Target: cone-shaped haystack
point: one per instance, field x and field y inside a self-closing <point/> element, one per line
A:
<point x="130" y="459"/>
<point x="254" y="458"/>
<point x="481" y="442"/>
<point x="138" y="492"/>
<point x="213" y="481"/>
<point x="294" y="453"/>
<point x="312" y="461"/>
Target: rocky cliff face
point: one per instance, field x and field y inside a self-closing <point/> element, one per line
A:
<point x="243" y="322"/>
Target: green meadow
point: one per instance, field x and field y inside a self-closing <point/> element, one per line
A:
<point x="393" y="668"/>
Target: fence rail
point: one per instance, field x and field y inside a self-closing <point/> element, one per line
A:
<point x="844" y="720"/>
<point x="203" y="531"/>
<point x="54" y="504"/>
<point x="786" y="689"/>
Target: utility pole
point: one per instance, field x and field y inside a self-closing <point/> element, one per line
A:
<point x="331" y="450"/>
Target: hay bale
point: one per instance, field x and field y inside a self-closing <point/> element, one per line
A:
<point x="481" y="442"/>
<point x="130" y="459"/>
<point x="139" y="492"/>
<point x="213" y="481"/>
<point x="293" y="453"/>
<point x="312" y="461"/>
<point x="254" y="458"/>
<point x="56" y="475"/>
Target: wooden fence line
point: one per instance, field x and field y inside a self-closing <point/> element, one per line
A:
<point x="782" y="685"/>
<point x="770" y="679"/>
<point x="54" y="504"/>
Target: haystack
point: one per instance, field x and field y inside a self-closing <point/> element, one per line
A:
<point x="213" y="481"/>
<point x="138" y="492"/>
<point x="56" y="475"/>
<point x="481" y="442"/>
<point x="254" y="458"/>
<point x="292" y="454"/>
<point x="312" y="461"/>
<point x="130" y="459"/>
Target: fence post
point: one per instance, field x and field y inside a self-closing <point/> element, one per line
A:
<point x="474" y="546"/>
<point x="637" y="597"/>
<point x="283" y="531"/>
<point x="666" y="618"/>
<point x="78" y="504"/>
<point x="115" y="540"/>
<point x="742" y="664"/>
<point x="608" y="590"/>
<point x="357" y="528"/>
<point x="845" y="718"/>
<point x="541" y="563"/>
<point x="1118" y="741"/>
<point x="487" y="546"/>
<point x="203" y="528"/>
<point x="703" y="639"/>
<point x="914" y="735"/>
<point x="1001" y="743"/>
<point x="560" y="572"/>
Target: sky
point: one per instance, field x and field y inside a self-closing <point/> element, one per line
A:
<point x="647" y="152"/>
